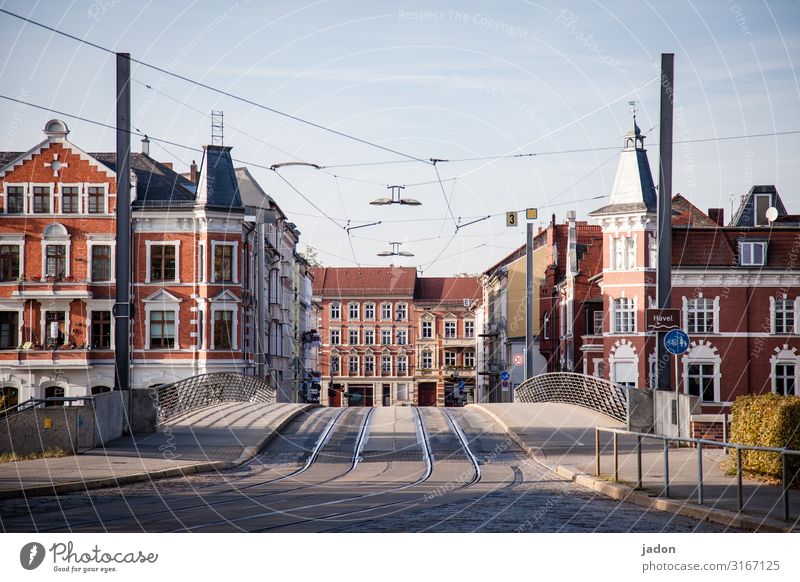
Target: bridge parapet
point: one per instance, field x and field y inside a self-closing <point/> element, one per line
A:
<point x="208" y="389"/>
<point x="587" y="391"/>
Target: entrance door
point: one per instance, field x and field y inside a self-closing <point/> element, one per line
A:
<point x="387" y="394"/>
<point x="427" y="394"/>
<point x="335" y="398"/>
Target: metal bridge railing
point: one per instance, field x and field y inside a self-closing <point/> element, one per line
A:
<point x="208" y="389"/>
<point x="587" y="391"/>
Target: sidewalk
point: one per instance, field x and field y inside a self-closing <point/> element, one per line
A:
<point x="561" y="437"/>
<point x="209" y="439"/>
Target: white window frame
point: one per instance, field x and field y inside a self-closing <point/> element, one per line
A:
<point x="630" y="308"/>
<point x="20" y="311"/>
<point x="350" y="333"/>
<point x="106" y="201"/>
<point x="755" y="208"/>
<point x="773" y="314"/>
<point x="148" y="244"/>
<point x="422" y="327"/>
<point x="630" y="253"/>
<point x="384" y="332"/>
<point x="367" y="308"/>
<point x="101" y="242"/>
<point x="369" y="363"/>
<point x="55" y="306"/>
<point x="25" y="193"/>
<point x="427" y="355"/>
<point x="710" y="305"/>
<point x="202" y="262"/>
<point x="402" y="308"/>
<point x="469" y="359"/>
<point x="234" y="256"/>
<point x="61" y="186"/>
<point x="702" y="354"/>
<point x="369" y="331"/>
<point x="401" y="333"/>
<point x="450" y="358"/>
<point x="469" y="324"/>
<point x="350" y="368"/>
<point x="61" y="239"/>
<point x="752" y="244"/>
<point x="384" y="368"/>
<point x="337" y="359"/>
<point x="386" y="308"/>
<point x="618" y="254"/>
<point x="52" y="198"/>
<point x="19" y="241"/>
<point x="99" y="305"/>
<point x="336" y="307"/>
<point x="785" y="362"/>
<point x="225" y="306"/>
<point x="452" y="324"/>
<point x="338" y="332"/>
<point x="353" y="307"/>
<point x="163" y="305"/>
<point x="402" y="364"/>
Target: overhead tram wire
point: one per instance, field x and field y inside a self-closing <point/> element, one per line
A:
<point x="218" y="90"/>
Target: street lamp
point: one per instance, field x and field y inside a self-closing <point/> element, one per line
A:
<point x="395" y="251"/>
<point x="395" y="198"/>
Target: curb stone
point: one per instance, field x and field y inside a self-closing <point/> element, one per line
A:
<point x="630" y="495"/>
<point x="182" y="471"/>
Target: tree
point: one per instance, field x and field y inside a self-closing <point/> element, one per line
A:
<point x="311" y="257"/>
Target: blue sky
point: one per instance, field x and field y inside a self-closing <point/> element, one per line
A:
<point x="435" y="80"/>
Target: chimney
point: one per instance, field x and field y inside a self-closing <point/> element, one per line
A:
<point x="193" y="172"/>
<point x="717" y="215"/>
<point x="146" y="146"/>
<point x="167" y="164"/>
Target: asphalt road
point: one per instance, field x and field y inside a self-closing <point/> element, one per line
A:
<point x="357" y="469"/>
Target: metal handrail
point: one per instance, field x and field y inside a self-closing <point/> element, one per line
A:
<point x="34" y="402"/>
<point x="579" y="389"/>
<point x="208" y="389"/>
<point x="738" y="447"/>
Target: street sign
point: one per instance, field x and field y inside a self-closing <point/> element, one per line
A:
<point x="519" y="359"/>
<point x="460" y="385"/>
<point x="504" y="376"/>
<point x="504" y="385"/>
<point x="676" y="342"/>
<point x="532" y="213"/>
<point x="662" y="319"/>
<point x="511" y="218"/>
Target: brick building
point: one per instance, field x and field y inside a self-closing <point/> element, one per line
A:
<point x="389" y="337"/>
<point x="738" y="288"/>
<point x="191" y="272"/>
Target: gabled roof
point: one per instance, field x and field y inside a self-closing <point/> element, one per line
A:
<point x="162" y="296"/>
<point x="251" y="192"/>
<point x="684" y="212"/>
<point x="447" y="290"/>
<point x="332" y="282"/>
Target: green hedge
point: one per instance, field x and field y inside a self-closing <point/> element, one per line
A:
<point x="767" y="420"/>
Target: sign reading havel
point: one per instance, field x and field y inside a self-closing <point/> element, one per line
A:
<point x="511" y="218"/>
<point x="662" y="319"/>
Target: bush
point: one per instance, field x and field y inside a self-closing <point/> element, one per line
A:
<point x="767" y="420"/>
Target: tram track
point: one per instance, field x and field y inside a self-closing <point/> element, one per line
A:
<point x="313" y="457"/>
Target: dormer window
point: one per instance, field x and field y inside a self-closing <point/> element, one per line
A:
<point x="762" y="203"/>
<point x="752" y="254"/>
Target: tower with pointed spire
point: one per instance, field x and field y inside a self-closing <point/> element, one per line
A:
<point x="628" y="224"/>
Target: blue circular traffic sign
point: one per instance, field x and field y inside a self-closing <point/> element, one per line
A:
<point x="676" y="341"/>
<point x="505" y="376"/>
